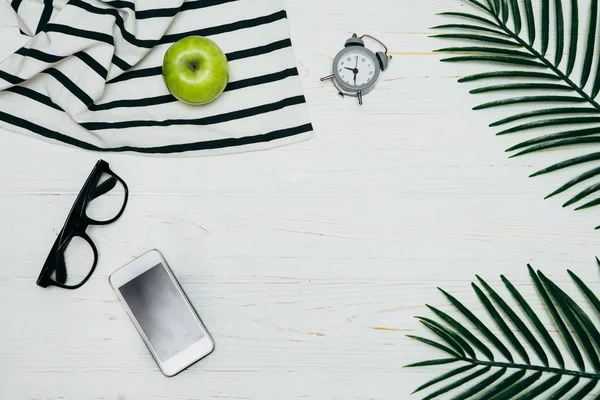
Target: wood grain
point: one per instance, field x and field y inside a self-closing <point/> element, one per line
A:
<point x="307" y="263"/>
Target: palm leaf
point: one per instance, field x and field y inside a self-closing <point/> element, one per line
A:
<point x="434" y="344"/>
<point x="574" y="36"/>
<point x="564" y="389"/>
<point x="490" y="50"/>
<point x="454" y="340"/>
<point x="516" y="13"/>
<point x="536" y="323"/>
<point x="520" y="86"/>
<point x="509" y="74"/>
<point x="533" y="342"/>
<point x="529" y="99"/>
<point x="468" y="336"/>
<point x="515" y="33"/>
<point x="589" y="51"/>
<point x="530" y="21"/>
<point x="476" y="18"/>
<point x="549" y="122"/>
<point x="539" y="113"/>
<point x="505" y="376"/>
<point x="445" y="376"/>
<point x="504" y="10"/>
<point x="508" y="382"/>
<point x="458" y="383"/>
<point x="497" y="59"/>
<point x="477" y="38"/>
<point x="592" y="203"/>
<point x="592" y="189"/>
<point x="481" y="385"/>
<point x="560" y="32"/>
<point x="469" y="27"/>
<point x="545" y="25"/>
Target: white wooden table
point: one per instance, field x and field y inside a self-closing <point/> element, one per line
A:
<point x="308" y="262"/>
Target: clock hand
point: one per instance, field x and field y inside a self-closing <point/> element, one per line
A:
<point x="354" y="70"/>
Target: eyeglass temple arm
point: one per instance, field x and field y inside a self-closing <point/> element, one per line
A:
<point x="103" y="188"/>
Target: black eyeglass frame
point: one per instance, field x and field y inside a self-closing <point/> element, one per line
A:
<point x="76" y="225"/>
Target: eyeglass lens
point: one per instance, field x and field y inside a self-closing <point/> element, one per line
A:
<point x="76" y="259"/>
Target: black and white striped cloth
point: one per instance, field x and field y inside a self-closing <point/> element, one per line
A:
<point x="91" y="76"/>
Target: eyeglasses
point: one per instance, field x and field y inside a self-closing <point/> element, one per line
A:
<point x="73" y="257"/>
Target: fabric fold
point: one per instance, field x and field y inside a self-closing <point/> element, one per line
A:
<point x="90" y="76"/>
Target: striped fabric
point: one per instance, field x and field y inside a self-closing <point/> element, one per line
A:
<point x="91" y="76"/>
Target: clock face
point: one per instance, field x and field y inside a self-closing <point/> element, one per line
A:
<point x="356" y="68"/>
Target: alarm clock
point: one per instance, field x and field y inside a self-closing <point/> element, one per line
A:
<point x="356" y="68"/>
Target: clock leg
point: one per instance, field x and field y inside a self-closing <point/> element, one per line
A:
<point x="360" y="98"/>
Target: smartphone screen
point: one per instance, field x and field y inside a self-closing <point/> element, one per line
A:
<point x="161" y="312"/>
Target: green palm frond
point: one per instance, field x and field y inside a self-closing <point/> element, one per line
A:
<point x="514" y="356"/>
<point x="515" y="37"/>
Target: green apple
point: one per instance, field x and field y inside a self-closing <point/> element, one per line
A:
<point x="195" y="70"/>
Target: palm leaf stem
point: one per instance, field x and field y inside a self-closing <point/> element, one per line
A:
<point x="540" y="368"/>
<point x="546" y="62"/>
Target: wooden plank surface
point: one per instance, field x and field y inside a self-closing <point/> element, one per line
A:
<point x="308" y="262"/>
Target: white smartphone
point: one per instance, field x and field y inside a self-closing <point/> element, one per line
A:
<point x="162" y="313"/>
